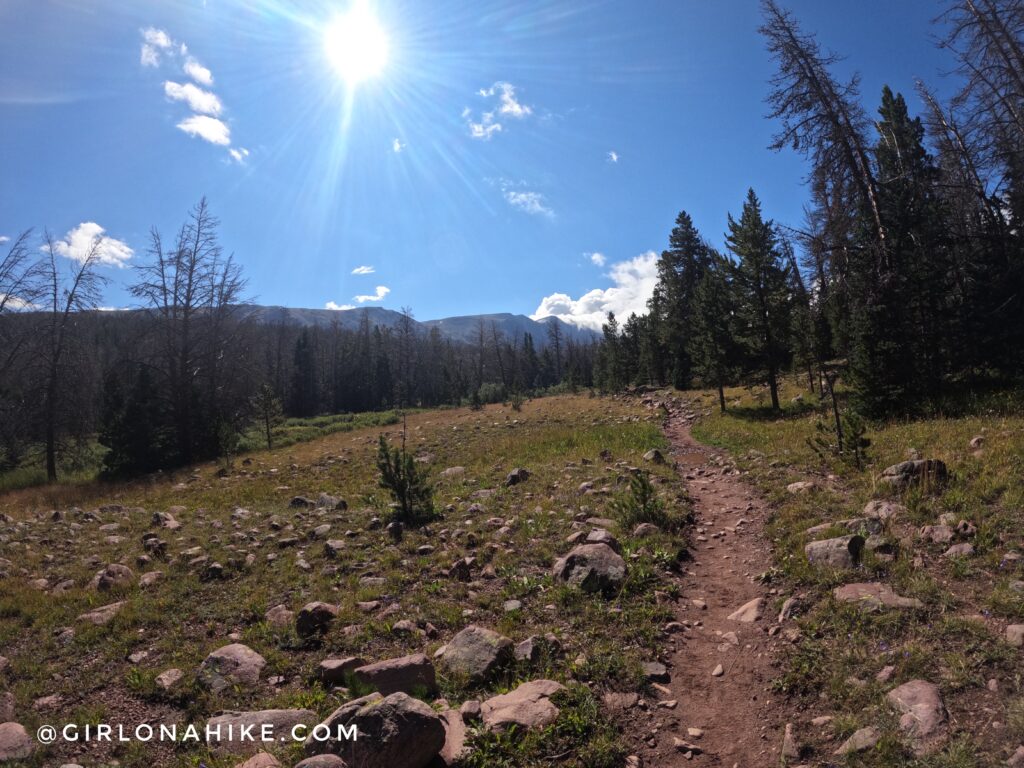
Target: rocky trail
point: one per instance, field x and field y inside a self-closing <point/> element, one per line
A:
<point x="722" y="668"/>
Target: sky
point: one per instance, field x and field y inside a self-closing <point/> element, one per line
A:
<point x="525" y="156"/>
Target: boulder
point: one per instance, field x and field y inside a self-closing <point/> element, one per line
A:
<point x="517" y="476"/>
<point x="103" y="615"/>
<point x="455" y="748"/>
<point x="883" y="510"/>
<point x="232" y="664"/>
<point x="477" y="654"/>
<point x="394" y="732"/>
<point x="280" y="616"/>
<point x="592" y="568"/>
<point x="238" y="733"/>
<point x="924" y="716"/>
<point x="315" y="618"/>
<point x="407" y="674"/>
<point x="861" y="525"/>
<point x="331" y="502"/>
<point x="749" y="612"/>
<point x="337" y="671"/>
<point x="15" y="743"/>
<point x="654" y="456"/>
<point x="841" y="552"/>
<point x="873" y="597"/>
<point x="932" y="472"/>
<point x="114" y="575"/>
<point x="528" y="706"/>
<point x="322" y="761"/>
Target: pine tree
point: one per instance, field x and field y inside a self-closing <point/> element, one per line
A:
<point x="762" y="292"/>
<point x="712" y="345"/>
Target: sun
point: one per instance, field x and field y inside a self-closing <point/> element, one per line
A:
<point x="356" y="44"/>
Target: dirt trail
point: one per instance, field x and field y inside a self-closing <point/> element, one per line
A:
<point x="734" y="710"/>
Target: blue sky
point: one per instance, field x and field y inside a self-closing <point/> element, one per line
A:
<point x="120" y="115"/>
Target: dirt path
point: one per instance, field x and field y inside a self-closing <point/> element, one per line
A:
<point x="734" y="710"/>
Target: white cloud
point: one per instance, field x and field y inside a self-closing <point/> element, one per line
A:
<point x="528" y="202"/>
<point x="507" y="105"/>
<point x="364" y="270"/>
<point x="613" y="156"/>
<point x="4" y="238"/>
<point x="633" y="284"/>
<point x="239" y="155"/>
<point x="12" y="303"/>
<point x="382" y="291"/>
<point x="154" y="41"/>
<point x="397" y="146"/>
<point x="198" y="72"/>
<point x="79" y="242"/>
<point x="207" y="128"/>
<point x="597" y="258"/>
<point x="198" y="100"/>
<point x="337" y="307"/>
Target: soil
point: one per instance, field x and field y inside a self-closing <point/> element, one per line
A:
<point x="736" y="711"/>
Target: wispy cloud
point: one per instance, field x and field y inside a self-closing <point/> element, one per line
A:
<point x="397" y="146"/>
<point x="207" y="128"/>
<point x="613" y="156"/>
<point x="4" y="238"/>
<point x="597" y="258"/>
<point x="198" y="72"/>
<point x="382" y="291"/>
<point x="79" y="242"/>
<point x="15" y="303"/>
<point x="633" y="283"/>
<point x="504" y="103"/>
<point x="206" y="106"/>
<point x="528" y="201"/>
<point x="198" y="100"/>
<point x="364" y="270"/>
<point x="337" y="307"/>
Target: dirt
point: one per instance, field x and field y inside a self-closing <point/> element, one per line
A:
<point x="741" y="722"/>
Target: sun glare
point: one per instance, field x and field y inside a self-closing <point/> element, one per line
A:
<point x="356" y="44"/>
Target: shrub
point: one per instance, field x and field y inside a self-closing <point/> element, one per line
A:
<point x="640" y="504"/>
<point x="407" y="484"/>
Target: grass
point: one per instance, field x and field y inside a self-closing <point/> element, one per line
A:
<point x="185" y="616"/>
<point x="956" y="640"/>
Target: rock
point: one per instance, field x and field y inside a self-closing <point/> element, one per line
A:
<point x="333" y="548"/>
<point x="315" y="618"/>
<point x="841" y="552"/>
<point x="461" y="569"/>
<point x="232" y="664"/>
<point x="407" y="674"/>
<point x="453" y="472"/>
<point x="1016" y="760"/>
<point x="331" y="502"/>
<point x="645" y="529"/>
<point x="166" y="680"/>
<point x="15" y="743"/>
<point x="470" y="710"/>
<point x="937" y="534"/>
<point x="977" y="441"/>
<point x="789" y="606"/>
<point x="394" y="732"/>
<point x="873" y="597"/>
<point x="528" y="706"/>
<point x="803" y="486"/>
<point x="260" y="760"/>
<point x="592" y="568"/>
<point x="655" y="672"/>
<point x="1015" y="635"/>
<point x="104" y="615"/>
<point x="931" y="472"/>
<point x="476" y="654"/>
<point x="601" y="536"/>
<point x="455" y="748"/>
<point x="301" y="502"/>
<point x="517" y="476"/>
<point x="151" y="578"/>
<point x="279" y="616"/>
<point x="959" y="550"/>
<point x="322" y="761"/>
<point x="337" y="671"/>
<point x="790" y="749"/>
<point x="114" y="575"/>
<point x="654" y="456"/>
<point x="860" y="741"/>
<point x="923" y="712"/>
<point x="165" y="520"/>
<point x="718" y="671"/>
<point x="749" y="612"/>
<point x="531" y="649"/>
<point x="861" y="525"/>
<point x="226" y="732"/>
<point x="883" y="510"/>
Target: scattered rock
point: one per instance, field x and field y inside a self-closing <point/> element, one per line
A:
<point x="315" y="618"/>
<point x="166" y="680"/>
<point x="232" y="664"/>
<point x="790" y="749"/>
<point x="517" y="476"/>
<point x="932" y="472"/>
<point x="860" y="741"/>
<point x="337" y="671"/>
<point x="407" y="674"/>
<point x="654" y="456"/>
<point x="802" y="486"/>
<point x="15" y="743"/>
<point x="873" y="597"/>
<point x="477" y="654"/>
<point x="104" y="615"/>
<point x="528" y="706"/>
<point x="114" y="575"/>
<point x="280" y="616"/>
<point x="959" y="550"/>
<point x="923" y="712"/>
<point x="1015" y="635"/>
<point x="592" y="568"/>
<point x="749" y="612"/>
<point x="841" y="552"/>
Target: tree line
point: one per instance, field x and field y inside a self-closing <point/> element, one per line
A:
<point x="907" y="274"/>
<point x="181" y="377"/>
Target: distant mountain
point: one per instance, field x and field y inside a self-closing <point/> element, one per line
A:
<point x="462" y="328"/>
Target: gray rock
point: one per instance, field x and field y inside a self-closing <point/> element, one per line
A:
<point x="103" y="615"/>
<point x="749" y="612"/>
<point x="15" y="743"/>
<point x="477" y="654"/>
<point x="861" y="525"/>
<point x="601" y="536"/>
<point x="931" y="472"/>
<point x="114" y="575"/>
<point x="231" y="664"/>
<point x="654" y="456"/>
<point x="873" y="597"/>
<point x="592" y="568"/>
<point x="517" y="476"/>
<point x="322" y="761"/>
<point x="408" y="674"/>
<point x="315" y="618"/>
<point x="860" y="741"/>
<point x="841" y="552"/>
